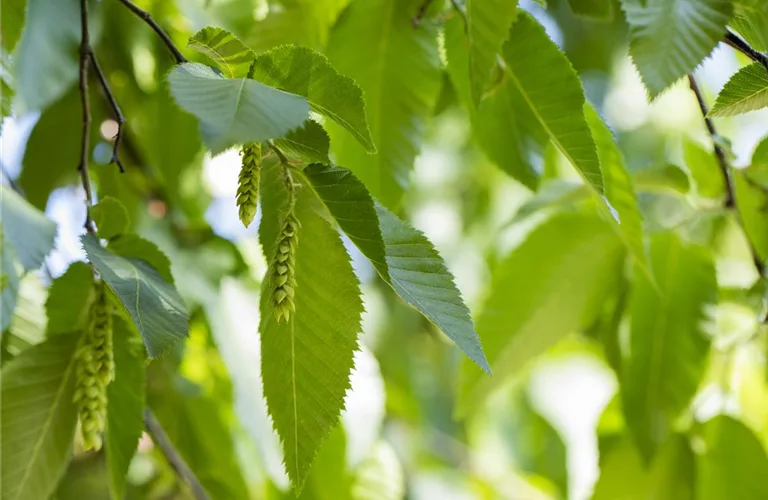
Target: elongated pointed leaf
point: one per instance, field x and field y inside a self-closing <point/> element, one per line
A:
<point x="669" y="348"/>
<point x="398" y="69"/>
<point x="306" y="361"/>
<point x="69" y="300"/>
<point x="125" y="407"/>
<point x="670" y="38"/>
<point x="38" y="418"/>
<point x="746" y="91"/>
<point x="302" y="71"/>
<point x="553" y="92"/>
<point x="154" y="304"/>
<point x="403" y="256"/>
<point x="26" y="229"/>
<point x="234" y="110"/>
<point x="549" y="286"/>
<point x="231" y="55"/>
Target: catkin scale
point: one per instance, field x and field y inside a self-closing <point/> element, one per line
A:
<point x="248" y="182"/>
<point x="94" y="370"/>
<point x="282" y="272"/>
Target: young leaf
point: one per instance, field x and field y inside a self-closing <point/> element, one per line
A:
<point x="669" y="38"/>
<point x="307" y="73"/>
<point x="232" y="56"/>
<point x="154" y="304"/>
<point x="596" y="10"/>
<point x="38" y="418"/>
<point x="398" y="69"/>
<point x="549" y="286"/>
<point x="553" y="92"/>
<point x="747" y="90"/>
<point x="306" y="360"/>
<point x="488" y="23"/>
<point x="26" y="229"/>
<point x="669" y="348"/>
<point x="403" y="256"/>
<point x="125" y="406"/>
<point x="234" y="110"/>
<point x="110" y="217"/>
<point x="307" y="144"/>
<point x="69" y="299"/>
<point x="734" y="463"/>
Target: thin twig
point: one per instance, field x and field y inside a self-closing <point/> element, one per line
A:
<point x="742" y="46"/>
<point x="160" y="438"/>
<point x="144" y="15"/>
<point x="722" y="159"/>
<point x="115" y="108"/>
<point x="85" y="50"/>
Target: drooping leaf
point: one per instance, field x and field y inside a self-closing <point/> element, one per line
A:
<point x="619" y="191"/>
<point x="752" y="203"/>
<point x="669" y="348"/>
<point x="125" y="406"/>
<point x="734" y="462"/>
<point x="110" y="217"/>
<point x="398" y="69"/>
<point x="38" y="418"/>
<point x="307" y="73"/>
<point x="597" y="10"/>
<point x="549" y="286"/>
<point x="307" y="144"/>
<point x="231" y="55"/>
<point x="69" y="299"/>
<point x="747" y="90"/>
<point x="553" y="92"/>
<point x="670" y="38"/>
<point x="234" y="110"/>
<point x="133" y="246"/>
<point x="154" y="304"/>
<point x="704" y="170"/>
<point x="26" y="229"/>
<point x="488" y="23"/>
<point x="403" y="256"/>
<point x="310" y="353"/>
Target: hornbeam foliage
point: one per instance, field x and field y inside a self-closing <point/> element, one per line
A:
<point x="445" y="218"/>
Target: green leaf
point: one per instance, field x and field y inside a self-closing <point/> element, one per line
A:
<point x="311" y="353"/>
<point x="398" y="69"/>
<point x="750" y="19"/>
<point x="302" y="71"/>
<point x="403" y="256"/>
<point x="231" y="55"/>
<point x="734" y="463"/>
<point x="234" y="110"/>
<point x="111" y="217"/>
<point x="668" y="345"/>
<point x="307" y="144"/>
<point x="133" y="246"/>
<point x="752" y="203"/>
<point x="154" y="304"/>
<point x="596" y="10"/>
<point x="619" y="191"/>
<point x="11" y="280"/>
<point x="380" y="475"/>
<point x="704" y="169"/>
<point x="38" y="418"/>
<point x="46" y="58"/>
<point x="11" y="23"/>
<point x="553" y="92"/>
<point x="670" y="38"/>
<point x="663" y="177"/>
<point x="747" y="90"/>
<point x="69" y="300"/>
<point x="488" y="23"/>
<point x="549" y="286"/>
<point x="26" y="229"/>
<point x="125" y="406"/>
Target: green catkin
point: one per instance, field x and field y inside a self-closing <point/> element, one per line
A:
<point x="248" y="182"/>
<point x="282" y="272"/>
<point x="95" y="369"/>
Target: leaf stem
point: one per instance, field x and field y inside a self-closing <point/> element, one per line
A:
<point x="160" y="438"/>
<point x="115" y="108"/>
<point x="742" y="46"/>
<point x="85" y="51"/>
<point x="144" y="16"/>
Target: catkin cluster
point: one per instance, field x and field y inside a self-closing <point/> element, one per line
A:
<point x="95" y="369"/>
<point x="283" y="269"/>
<point x="248" y="182"/>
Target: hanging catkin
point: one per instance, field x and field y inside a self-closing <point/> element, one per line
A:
<point x="248" y="182"/>
<point x="95" y="369"/>
<point x="283" y="268"/>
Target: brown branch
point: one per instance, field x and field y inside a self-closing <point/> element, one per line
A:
<point x="144" y="16"/>
<point x="85" y="51"/>
<point x="160" y="438"/>
<point x="742" y="46"/>
<point x="115" y="108"/>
